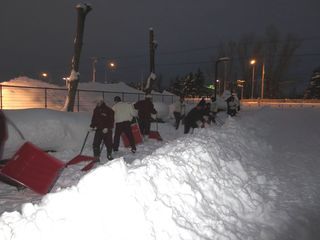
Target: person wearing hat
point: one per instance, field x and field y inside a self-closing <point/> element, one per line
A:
<point x="145" y="109"/>
<point x="102" y="122"/>
<point x="123" y="114"/>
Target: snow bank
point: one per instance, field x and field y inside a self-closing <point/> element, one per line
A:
<point x="191" y="188"/>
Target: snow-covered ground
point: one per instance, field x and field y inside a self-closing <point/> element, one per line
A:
<point x="255" y="177"/>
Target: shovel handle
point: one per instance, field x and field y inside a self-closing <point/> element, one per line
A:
<point x="84" y="142"/>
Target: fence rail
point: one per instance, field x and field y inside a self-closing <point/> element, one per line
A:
<point x="281" y="103"/>
<point x="23" y="97"/>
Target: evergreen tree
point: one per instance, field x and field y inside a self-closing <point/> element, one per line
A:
<point x="313" y="91"/>
<point x="177" y="86"/>
<point x="189" y="86"/>
<point x="199" y="83"/>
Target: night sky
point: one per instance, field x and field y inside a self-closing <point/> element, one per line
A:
<point x="37" y="35"/>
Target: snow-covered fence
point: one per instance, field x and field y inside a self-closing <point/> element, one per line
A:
<point x="24" y="97"/>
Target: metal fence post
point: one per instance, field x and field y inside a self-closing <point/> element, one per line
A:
<point x="78" y="105"/>
<point x="45" y="98"/>
<point x="0" y="96"/>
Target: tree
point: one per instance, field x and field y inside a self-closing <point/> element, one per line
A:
<point x="199" y="82"/>
<point x="73" y="80"/>
<point x="271" y="50"/>
<point x="176" y="86"/>
<point x="313" y="91"/>
<point x="189" y="86"/>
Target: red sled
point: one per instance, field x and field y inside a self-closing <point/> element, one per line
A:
<point x="155" y="134"/>
<point x="136" y="135"/>
<point x="32" y="168"/>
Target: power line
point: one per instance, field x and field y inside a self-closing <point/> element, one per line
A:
<point x="199" y="49"/>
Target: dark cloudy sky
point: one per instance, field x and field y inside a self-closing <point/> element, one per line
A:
<point x="37" y="35"/>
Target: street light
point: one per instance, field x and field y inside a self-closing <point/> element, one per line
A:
<point x="219" y="84"/>
<point x="44" y="74"/>
<point x="252" y="62"/>
<point x="111" y="65"/>
<point x="223" y="59"/>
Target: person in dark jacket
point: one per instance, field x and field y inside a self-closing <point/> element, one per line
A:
<point x="194" y="118"/>
<point x="145" y="109"/>
<point x="231" y="106"/>
<point x="202" y="102"/>
<point x="102" y="122"/>
<point x="3" y="132"/>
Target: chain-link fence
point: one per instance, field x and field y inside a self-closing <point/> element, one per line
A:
<point x="23" y="97"/>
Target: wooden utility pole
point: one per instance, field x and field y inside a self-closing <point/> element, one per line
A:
<point x="152" y="76"/>
<point x="151" y="50"/>
<point x="73" y="80"/>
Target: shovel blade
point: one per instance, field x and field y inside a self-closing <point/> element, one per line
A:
<point x="79" y="158"/>
<point x="155" y="135"/>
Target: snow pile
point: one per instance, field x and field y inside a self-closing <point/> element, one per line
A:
<point x="192" y="188"/>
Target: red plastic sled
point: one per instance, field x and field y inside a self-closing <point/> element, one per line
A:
<point x="32" y="168"/>
<point x="136" y="134"/>
<point x="155" y="134"/>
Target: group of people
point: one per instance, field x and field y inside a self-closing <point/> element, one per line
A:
<point x="203" y="112"/>
<point x="119" y="116"/>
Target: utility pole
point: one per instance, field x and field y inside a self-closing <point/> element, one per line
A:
<point x="222" y="59"/>
<point x="262" y="80"/>
<point x="73" y="79"/>
<point x="152" y="47"/>
<point x="94" y="70"/>
<point x="151" y="50"/>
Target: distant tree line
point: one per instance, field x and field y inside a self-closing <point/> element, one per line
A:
<point x="313" y="90"/>
<point x="272" y="51"/>
<point x="190" y="85"/>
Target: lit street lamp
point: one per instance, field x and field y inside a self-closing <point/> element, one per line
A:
<point x="219" y="84"/>
<point x="252" y="62"/>
<point x="110" y="65"/>
<point x="223" y="59"/>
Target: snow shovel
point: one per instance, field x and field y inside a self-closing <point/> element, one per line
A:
<point x="81" y="158"/>
<point x="93" y="162"/>
<point x="155" y="134"/>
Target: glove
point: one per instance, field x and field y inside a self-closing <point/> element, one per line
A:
<point x="105" y="130"/>
<point x="92" y="129"/>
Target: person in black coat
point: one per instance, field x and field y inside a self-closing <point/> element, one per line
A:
<point x="102" y="122"/>
<point x="194" y="118"/>
<point x="145" y="109"/>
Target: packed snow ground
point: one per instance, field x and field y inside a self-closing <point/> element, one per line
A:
<point x="255" y="177"/>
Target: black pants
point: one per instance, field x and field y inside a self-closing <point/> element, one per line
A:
<point x="189" y="124"/>
<point x="178" y="117"/>
<point x="99" y="136"/>
<point x="123" y="127"/>
<point x="144" y="125"/>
